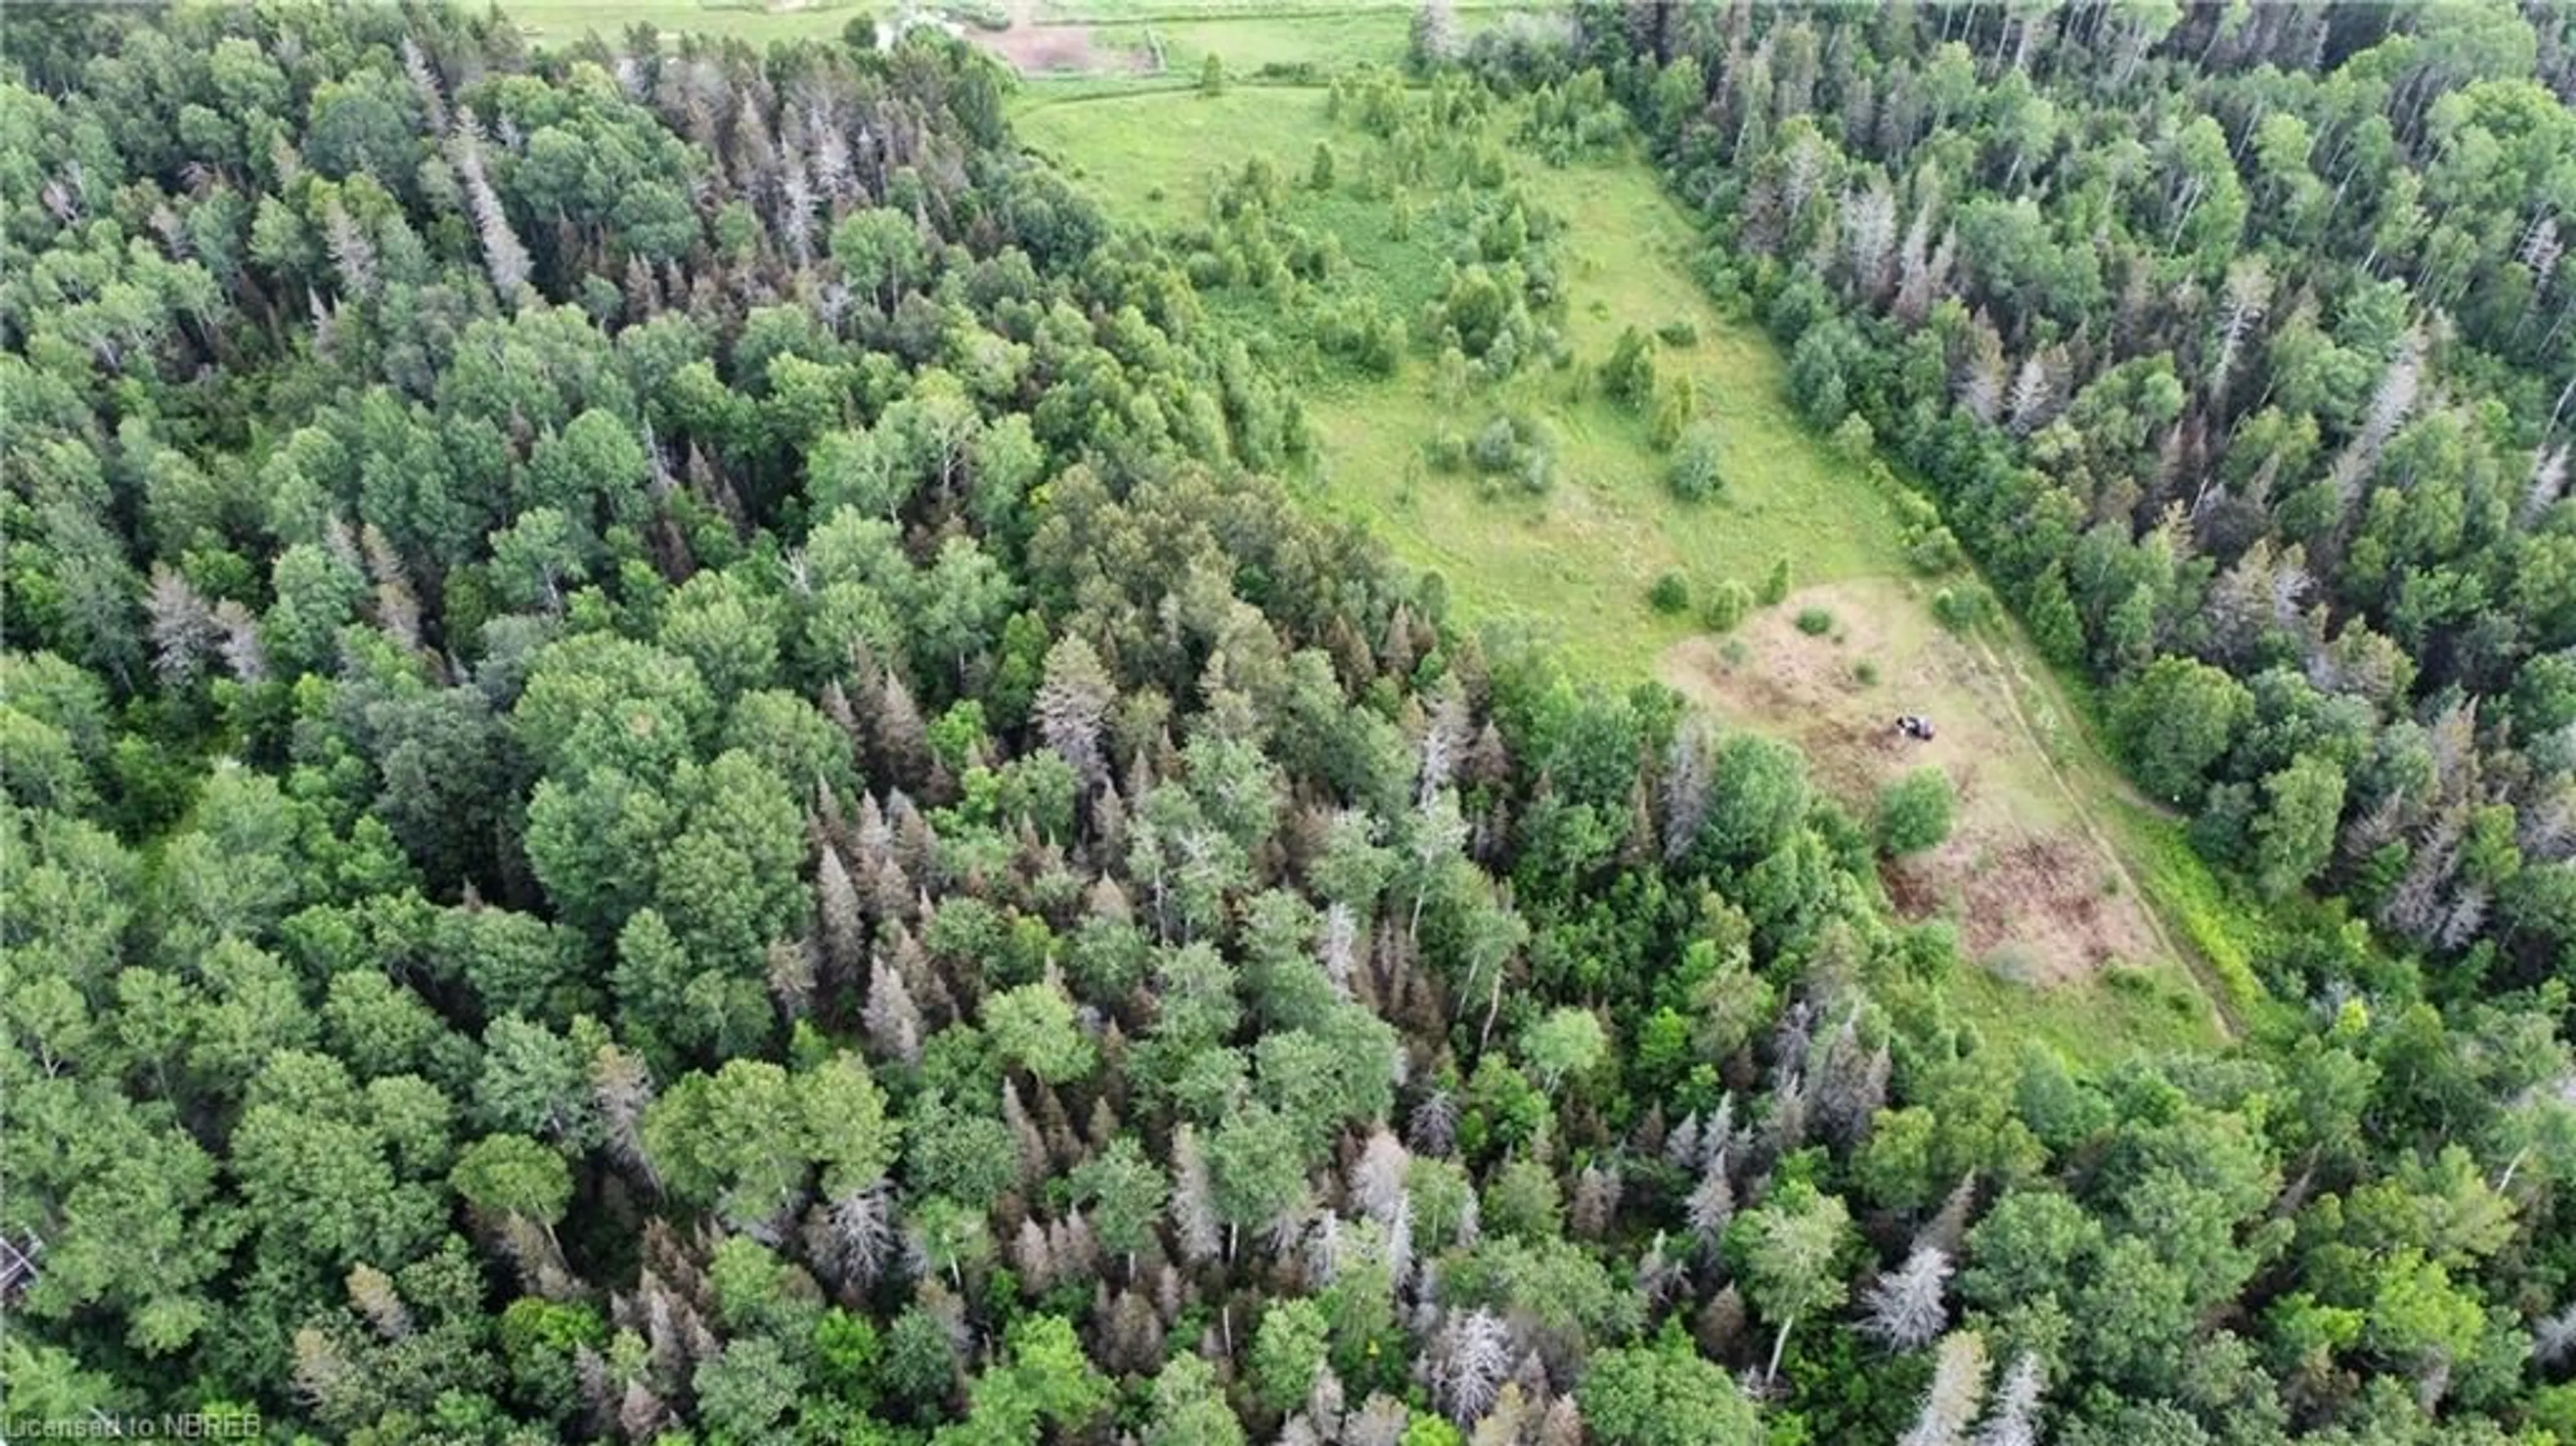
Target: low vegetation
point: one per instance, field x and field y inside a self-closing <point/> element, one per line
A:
<point x="1914" y="812"/>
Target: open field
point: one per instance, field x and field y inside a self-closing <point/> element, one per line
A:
<point x="1572" y="566"/>
<point x="2037" y="872"/>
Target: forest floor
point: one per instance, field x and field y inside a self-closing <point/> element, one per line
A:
<point x="2046" y="884"/>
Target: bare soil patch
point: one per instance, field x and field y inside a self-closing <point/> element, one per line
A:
<point x="2036" y="893"/>
<point x="1036" y="47"/>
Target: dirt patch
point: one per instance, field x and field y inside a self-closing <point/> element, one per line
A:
<point x="2035" y="891"/>
<point x="1036" y="47"/>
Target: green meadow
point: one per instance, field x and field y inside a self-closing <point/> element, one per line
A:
<point x="1572" y="565"/>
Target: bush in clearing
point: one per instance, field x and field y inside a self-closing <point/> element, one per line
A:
<point x="1727" y="605"/>
<point x="1693" y="475"/>
<point x="1775" y="586"/>
<point x="1914" y="812"/>
<point x="1964" y="607"/>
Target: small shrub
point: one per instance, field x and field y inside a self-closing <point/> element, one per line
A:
<point x="1537" y="470"/>
<point x="1932" y="950"/>
<point x="1914" y="812"/>
<point x="1853" y="438"/>
<point x="1153" y="193"/>
<point x="1727" y="605"/>
<point x="1680" y="331"/>
<point x="1815" y="622"/>
<point x="1495" y="446"/>
<point x="1447" y="452"/>
<point x="1518" y="446"/>
<point x="1734" y="654"/>
<point x="2018" y="964"/>
<point x="1670" y="595"/>
<point x="1676" y="407"/>
<point x="1932" y="551"/>
<point x="1964" y="607"/>
<point x="1694" y="475"/>
<point x="1865" y="673"/>
<point x="1628" y="377"/>
<point x="1775" y="586"/>
<point x="2130" y="979"/>
<point x="1914" y="511"/>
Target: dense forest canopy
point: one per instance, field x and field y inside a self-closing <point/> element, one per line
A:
<point x="674" y="773"/>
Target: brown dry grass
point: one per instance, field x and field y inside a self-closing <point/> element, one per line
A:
<point x="2033" y="887"/>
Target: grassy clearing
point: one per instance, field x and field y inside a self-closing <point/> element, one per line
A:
<point x="1570" y="566"/>
<point x="2126" y="1012"/>
<point x="1154" y="158"/>
<point x="2038" y="889"/>
<point x="1323" y="34"/>
<point x="2041" y="880"/>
